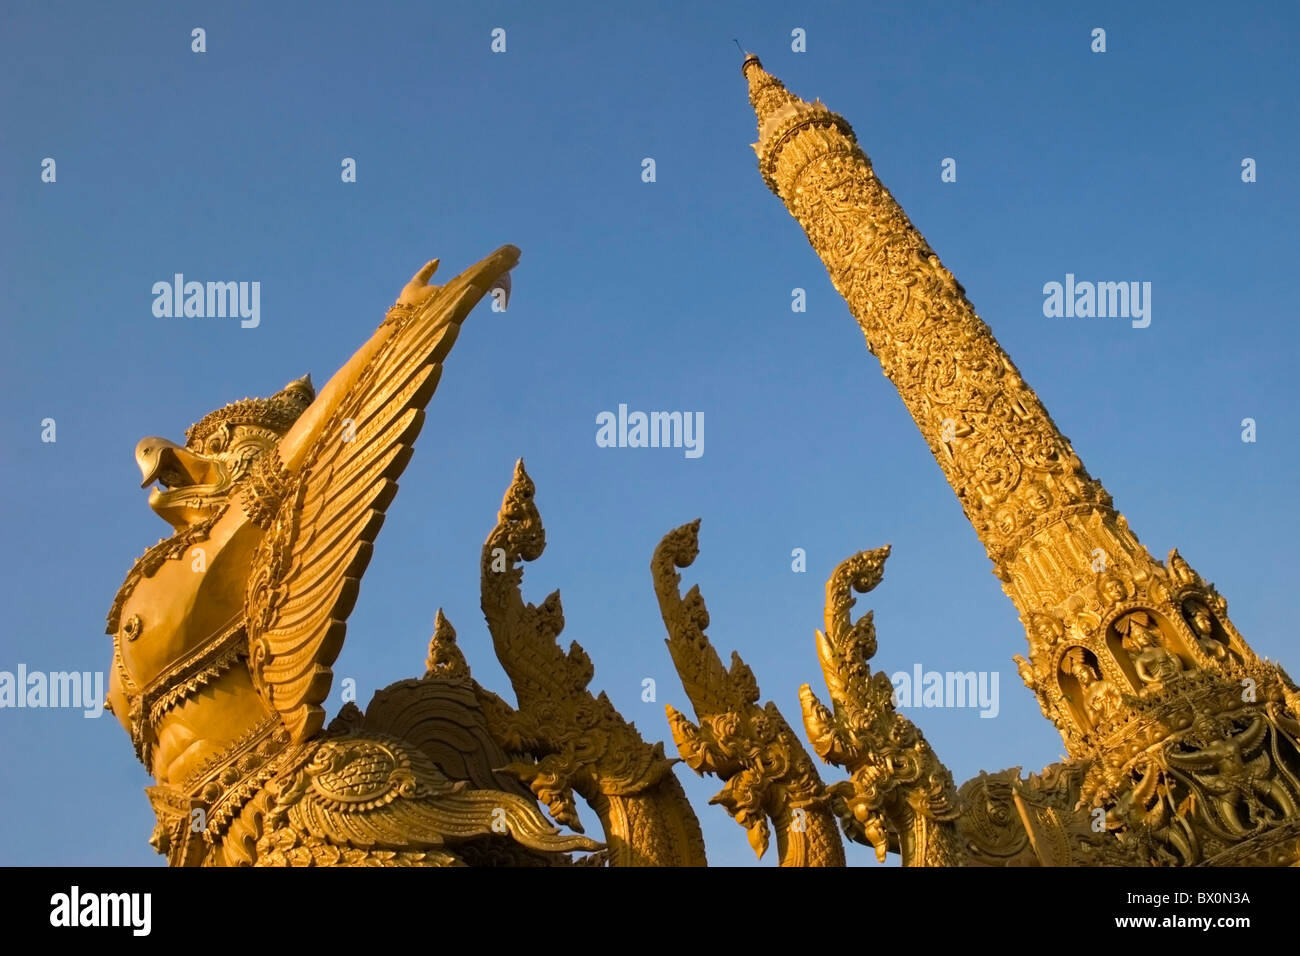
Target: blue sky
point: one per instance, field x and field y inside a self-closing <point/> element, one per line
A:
<point x="672" y="295"/>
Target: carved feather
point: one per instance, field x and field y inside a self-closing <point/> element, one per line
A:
<point x="308" y="569"/>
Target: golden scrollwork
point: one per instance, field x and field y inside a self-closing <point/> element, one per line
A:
<point x="576" y="742"/>
<point x="899" y="795"/>
<point x="768" y="773"/>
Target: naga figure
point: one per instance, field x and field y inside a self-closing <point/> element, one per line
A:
<point x="224" y="633"/>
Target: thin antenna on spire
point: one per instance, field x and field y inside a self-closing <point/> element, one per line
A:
<point x="746" y="54"/>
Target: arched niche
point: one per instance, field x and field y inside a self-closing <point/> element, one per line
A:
<point x="1145" y="628"/>
<point x="1075" y="691"/>
<point x="1206" y="628"/>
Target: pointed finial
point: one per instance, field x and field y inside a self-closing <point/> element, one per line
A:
<point x="778" y="111"/>
<point x="767" y="94"/>
<point x="300" y="389"/>
<point x="445" y="659"/>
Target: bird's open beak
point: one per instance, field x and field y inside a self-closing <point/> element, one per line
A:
<point x="172" y="465"/>
<point x="191" y="484"/>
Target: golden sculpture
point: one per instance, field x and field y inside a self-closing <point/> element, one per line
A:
<point x="569" y="740"/>
<point x="767" y="772"/>
<point x="224" y="633"/>
<point x="1183" y="746"/>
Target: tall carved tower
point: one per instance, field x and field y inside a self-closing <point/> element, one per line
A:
<point x="1182" y="737"/>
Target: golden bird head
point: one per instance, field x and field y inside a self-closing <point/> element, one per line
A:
<point x="196" y="479"/>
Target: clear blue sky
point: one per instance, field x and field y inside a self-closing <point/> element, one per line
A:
<point x="663" y="296"/>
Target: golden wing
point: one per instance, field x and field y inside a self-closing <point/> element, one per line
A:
<point x="307" y="570"/>
<point x="377" y="795"/>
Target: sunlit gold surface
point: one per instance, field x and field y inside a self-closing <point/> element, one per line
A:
<point x="224" y="634"/>
<point x="1182" y="743"/>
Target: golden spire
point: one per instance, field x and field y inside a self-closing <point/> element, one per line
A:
<point x="1110" y="628"/>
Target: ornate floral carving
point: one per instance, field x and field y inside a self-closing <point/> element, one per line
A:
<point x="262" y="494"/>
